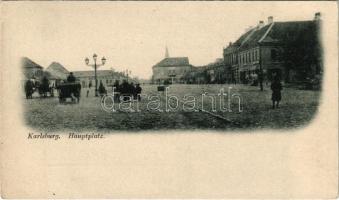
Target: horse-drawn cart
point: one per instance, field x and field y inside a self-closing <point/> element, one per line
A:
<point x="69" y="90"/>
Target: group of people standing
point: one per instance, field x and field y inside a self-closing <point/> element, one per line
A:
<point x="43" y="86"/>
<point x="127" y="89"/>
<point x="251" y="79"/>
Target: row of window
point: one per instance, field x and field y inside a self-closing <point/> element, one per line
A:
<point x="172" y="72"/>
<point x="242" y="58"/>
<point x="248" y="57"/>
<point x="92" y="82"/>
<point x="231" y="59"/>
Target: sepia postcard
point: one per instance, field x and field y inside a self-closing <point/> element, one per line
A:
<point x="169" y="99"/>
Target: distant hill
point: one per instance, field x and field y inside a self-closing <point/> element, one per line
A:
<point x="57" y="70"/>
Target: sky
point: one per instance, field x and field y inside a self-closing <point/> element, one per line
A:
<point x="134" y="35"/>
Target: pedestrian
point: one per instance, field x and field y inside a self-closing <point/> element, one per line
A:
<point x="125" y="91"/>
<point x="276" y="88"/>
<point x="29" y="89"/>
<point x="44" y="86"/>
<point x="102" y="89"/>
<point x="71" y="78"/>
<point x="133" y="93"/>
<point x="117" y="90"/>
<point x="116" y="86"/>
<point x="138" y="90"/>
<point x="124" y="87"/>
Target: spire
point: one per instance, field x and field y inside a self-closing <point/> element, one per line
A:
<point x="166" y="53"/>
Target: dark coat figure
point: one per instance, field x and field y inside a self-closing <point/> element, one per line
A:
<point x="29" y="89"/>
<point x="71" y="78"/>
<point x="132" y="90"/>
<point x="102" y="89"/>
<point x="117" y="90"/>
<point x="126" y="90"/>
<point x="44" y="87"/>
<point x="45" y="82"/>
<point x="138" y="90"/>
<point x="116" y="85"/>
<point x="124" y="87"/>
<point x="90" y="84"/>
<point x="276" y="88"/>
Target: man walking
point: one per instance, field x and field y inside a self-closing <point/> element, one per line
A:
<point x="276" y="88"/>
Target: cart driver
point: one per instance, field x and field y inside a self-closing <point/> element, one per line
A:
<point x="71" y="78"/>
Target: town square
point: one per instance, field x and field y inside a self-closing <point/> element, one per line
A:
<point x="298" y="110"/>
<point x="267" y="76"/>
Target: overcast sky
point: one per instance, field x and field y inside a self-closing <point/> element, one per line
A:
<point x="134" y="35"/>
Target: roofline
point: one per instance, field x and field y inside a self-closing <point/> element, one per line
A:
<point x="237" y="47"/>
<point x="268" y="30"/>
<point x="185" y="57"/>
<point x="189" y="65"/>
<point x="92" y="70"/>
<point x="35" y="66"/>
<point x="248" y="36"/>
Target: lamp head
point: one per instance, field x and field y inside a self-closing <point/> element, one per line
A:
<point x="95" y="57"/>
<point x="103" y="60"/>
<point x="86" y="61"/>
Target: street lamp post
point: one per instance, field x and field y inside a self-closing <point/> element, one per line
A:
<point x="95" y="66"/>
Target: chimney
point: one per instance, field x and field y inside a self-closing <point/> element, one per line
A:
<point x="270" y="20"/>
<point x="261" y="24"/>
<point x="166" y="53"/>
<point x="317" y="16"/>
<point x="230" y="44"/>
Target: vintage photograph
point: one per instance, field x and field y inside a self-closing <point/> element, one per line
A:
<point x="169" y="99"/>
<point x="172" y="67"/>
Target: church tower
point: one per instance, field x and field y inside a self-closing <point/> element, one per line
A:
<point x="166" y="53"/>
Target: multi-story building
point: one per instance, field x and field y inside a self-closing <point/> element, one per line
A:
<point x="107" y="77"/>
<point x="216" y="71"/>
<point x="289" y="50"/>
<point x="171" y="70"/>
<point x="211" y="73"/>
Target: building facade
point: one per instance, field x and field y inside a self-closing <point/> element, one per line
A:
<point x="31" y="70"/>
<point x="171" y="70"/>
<point x="107" y="77"/>
<point x="212" y="73"/>
<point x="288" y="50"/>
<point x="216" y="72"/>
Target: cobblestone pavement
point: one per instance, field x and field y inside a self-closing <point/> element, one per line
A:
<point x="297" y="108"/>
